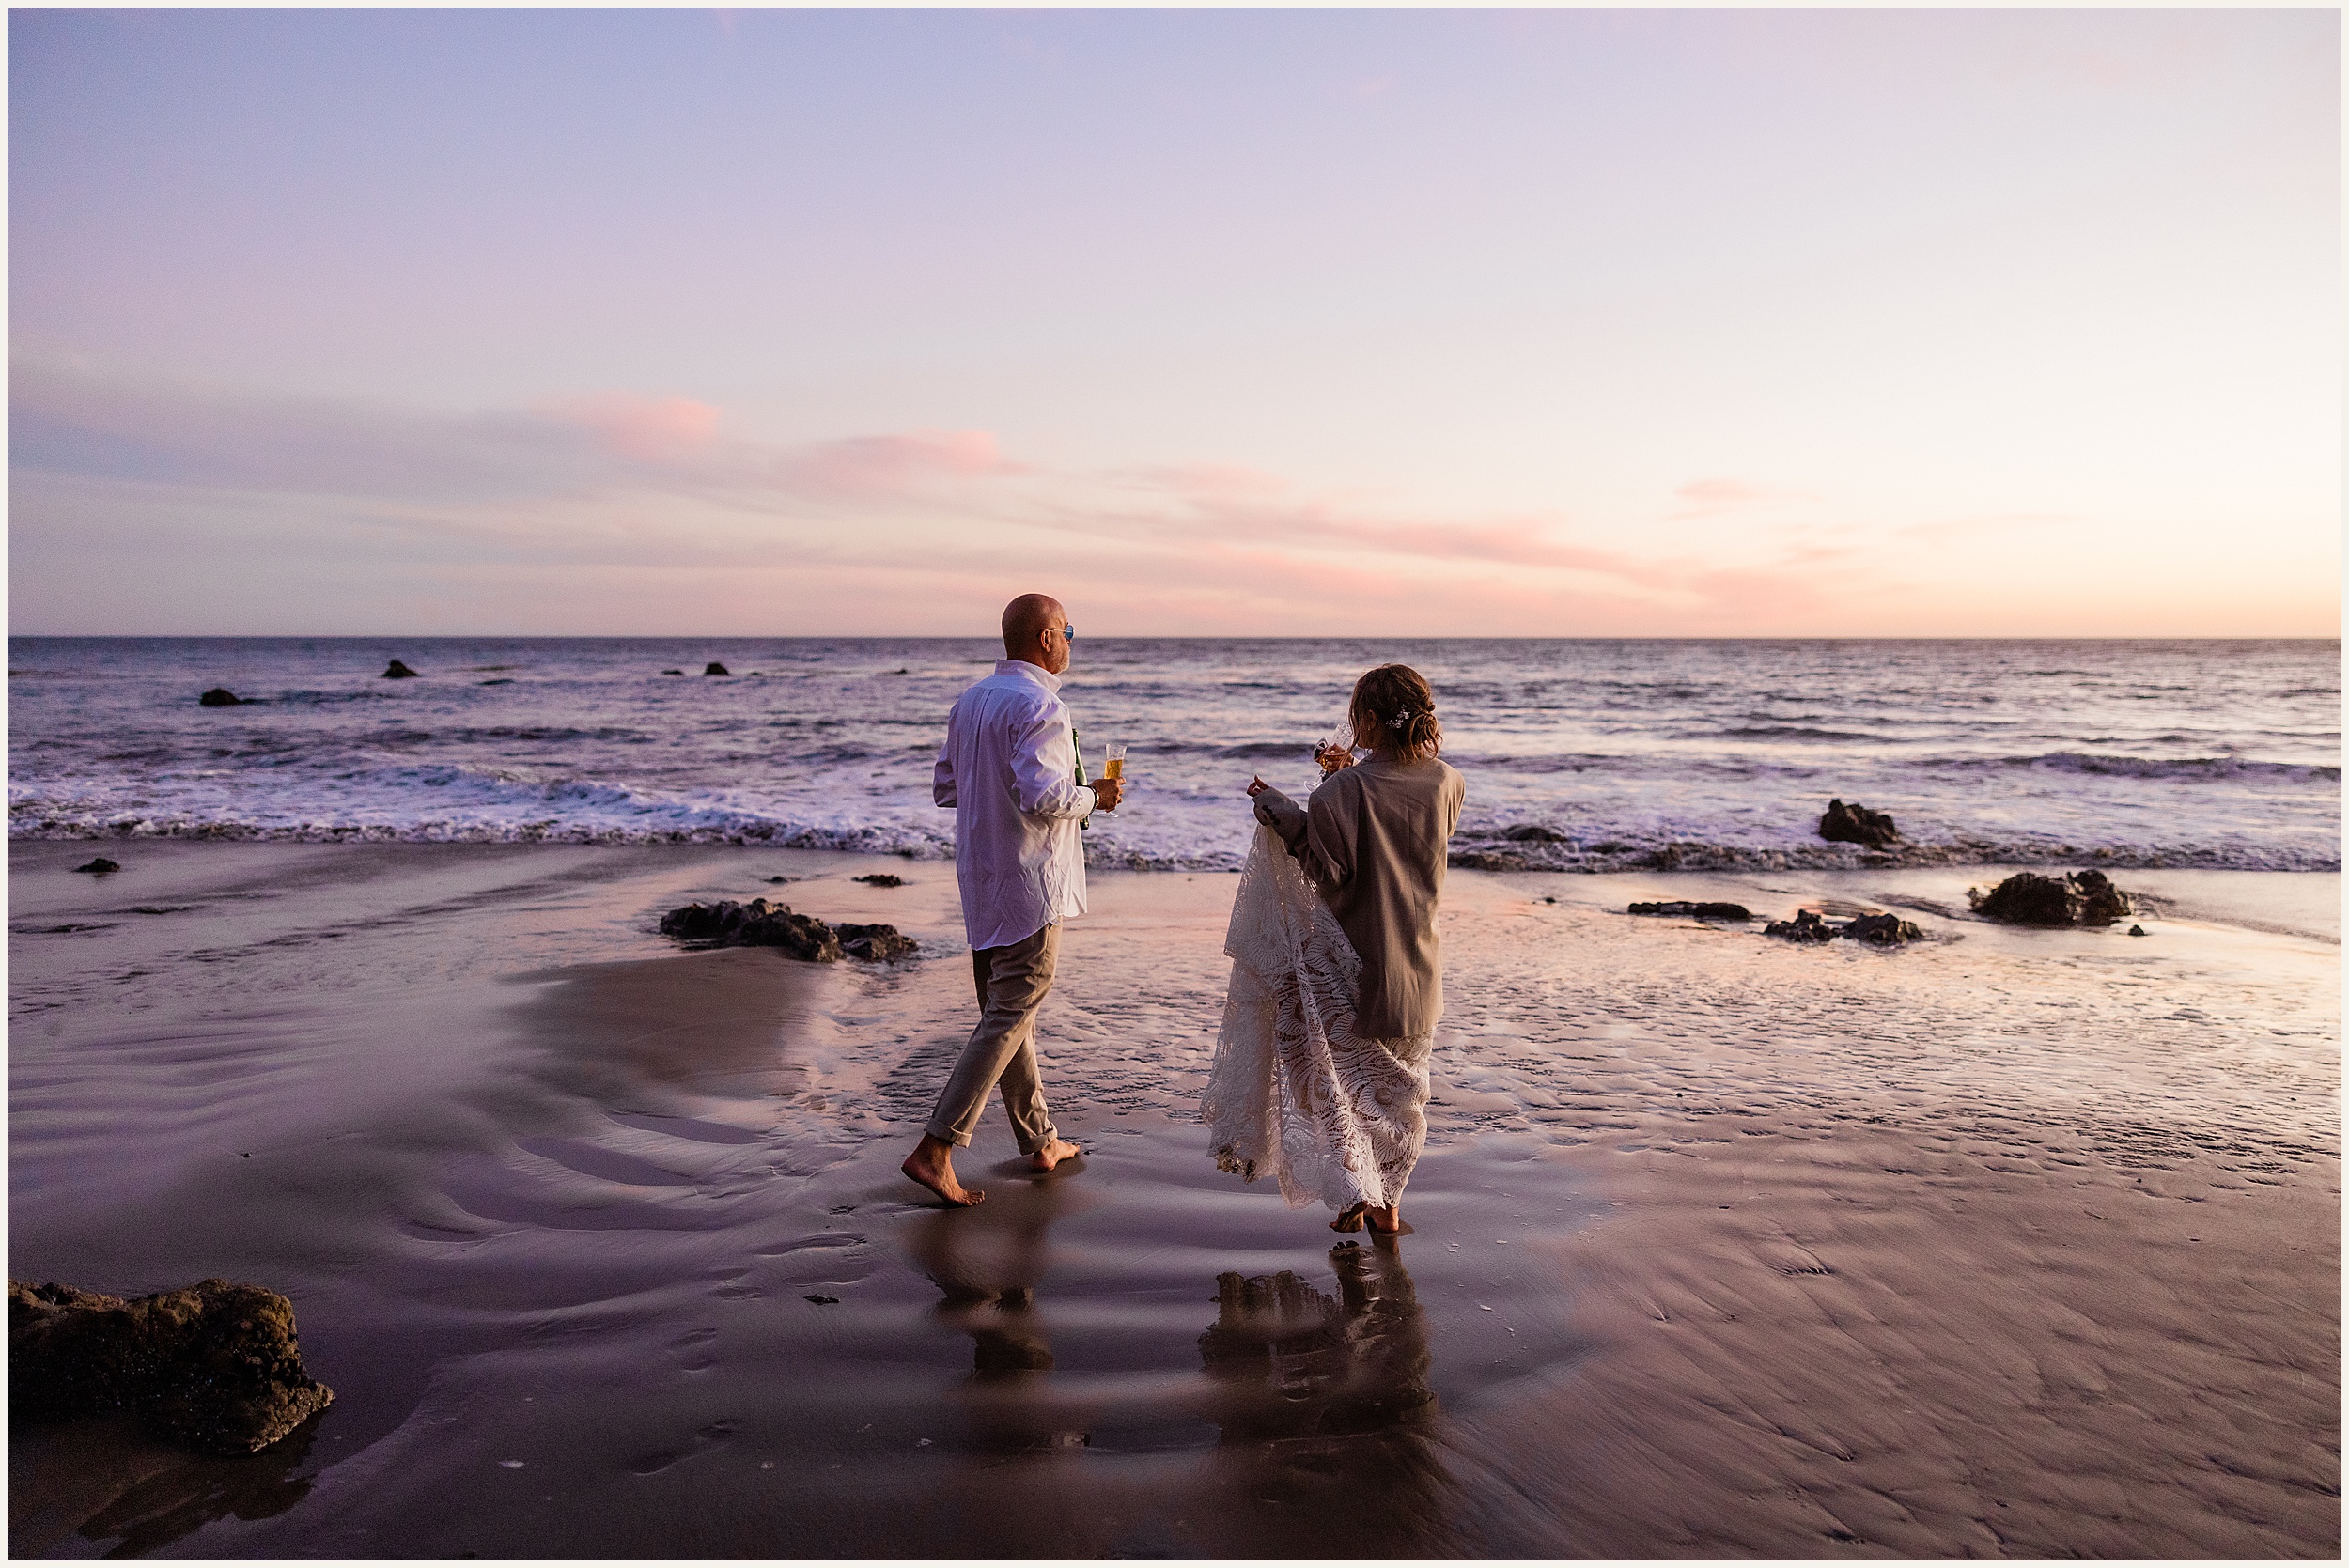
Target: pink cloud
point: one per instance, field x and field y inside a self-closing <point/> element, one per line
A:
<point x="1718" y="492"/>
<point x="882" y="466"/>
<point x="667" y="429"/>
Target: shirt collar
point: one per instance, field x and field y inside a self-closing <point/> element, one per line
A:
<point x="1037" y="673"/>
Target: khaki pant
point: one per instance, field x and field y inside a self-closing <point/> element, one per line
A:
<point x="1011" y="983"/>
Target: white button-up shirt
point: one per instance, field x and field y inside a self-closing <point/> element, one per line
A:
<point x="1009" y="769"/>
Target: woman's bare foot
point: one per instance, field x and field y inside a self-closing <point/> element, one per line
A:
<point x="1053" y="1153"/>
<point x="1350" y="1218"/>
<point x="1386" y="1222"/>
<point x="932" y="1164"/>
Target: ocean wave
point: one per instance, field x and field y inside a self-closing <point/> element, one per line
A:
<point x="1778" y="732"/>
<point x="1695" y="855"/>
<point x="2162" y="768"/>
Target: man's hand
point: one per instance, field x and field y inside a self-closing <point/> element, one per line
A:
<point x="1107" y="792"/>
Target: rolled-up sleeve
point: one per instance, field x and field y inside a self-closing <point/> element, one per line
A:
<point x="943" y="779"/>
<point x="1044" y="770"/>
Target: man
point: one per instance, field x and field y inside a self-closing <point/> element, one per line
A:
<point x="1009" y="770"/>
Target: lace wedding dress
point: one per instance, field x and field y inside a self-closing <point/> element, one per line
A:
<point x="1294" y="1093"/>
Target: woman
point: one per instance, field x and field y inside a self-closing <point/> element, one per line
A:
<point x="1320" y="1074"/>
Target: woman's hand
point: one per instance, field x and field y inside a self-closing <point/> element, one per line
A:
<point x="1256" y="786"/>
<point x="1333" y="759"/>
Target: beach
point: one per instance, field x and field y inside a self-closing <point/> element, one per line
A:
<point x="2008" y="1242"/>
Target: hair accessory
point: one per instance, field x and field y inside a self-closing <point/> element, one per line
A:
<point x="1402" y="716"/>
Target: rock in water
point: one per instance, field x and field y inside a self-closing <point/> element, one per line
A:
<point x="1805" y="927"/>
<point x="2027" y="898"/>
<point x="216" y="1365"/>
<point x="399" y="671"/>
<point x="1695" y="912"/>
<point x="99" y="867"/>
<point x="762" y="924"/>
<point x="1856" y="824"/>
<point x="881" y="879"/>
<point x="878" y="943"/>
<point x="757" y="924"/>
<point x="716" y="669"/>
<point x="2101" y="903"/>
<point x="220" y="697"/>
<point x="1882" y="930"/>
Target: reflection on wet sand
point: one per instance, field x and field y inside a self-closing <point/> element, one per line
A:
<point x="1313" y="1418"/>
<point x="157" y="1493"/>
<point x="1329" y="1401"/>
<point x="987" y="1263"/>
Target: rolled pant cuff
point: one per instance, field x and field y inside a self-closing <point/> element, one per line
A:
<point x="948" y="1135"/>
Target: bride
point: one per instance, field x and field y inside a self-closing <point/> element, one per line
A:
<point x="1320" y="1072"/>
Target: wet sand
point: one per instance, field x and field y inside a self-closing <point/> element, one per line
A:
<point x="2013" y="1243"/>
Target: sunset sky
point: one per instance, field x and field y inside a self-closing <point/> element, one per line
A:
<point x="1568" y="323"/>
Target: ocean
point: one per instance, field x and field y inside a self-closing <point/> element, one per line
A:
<point x="1580" y="755"/>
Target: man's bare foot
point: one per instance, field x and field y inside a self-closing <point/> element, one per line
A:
<point x="932" y="1164"/>
<point x="1053" y="1153"/>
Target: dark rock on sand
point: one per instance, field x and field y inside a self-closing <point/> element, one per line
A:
<point x="2137" y="930"/>
<point x="878" y="943"/>
<point x="220" y="697"/>
<point x="1879" y="930"/>
<point x="2027" y="898"/>
<point x="715" y="668"/>
<point x="399" y="671"/>
<point x="1856" y="824"/>
<point x="1686" y="910"/>
<point x="763" y="924"/>
<point x="1805" y="927"/>
<point x="1882" y="930"/>
<point x="881" y="879"/>
<point x="216" y="1365"/>
<point x="757" y="924"/>
<point x="99" y="867"/>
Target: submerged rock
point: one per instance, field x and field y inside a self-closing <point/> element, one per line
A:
<point x="764" y="924"/>
<point x="216" y="1365"/>
<point x="1805" y="927"/>
<point x="220" y="697"/>
<point x="2027" y="898"/>
<point x="1882" y="930"/>
<point x="99" y="867"/>
<point x="1695" y="912"/>
<point x="881" y="879"/>
<point x="876" y="944"/>
<point x="715" y="668"/>
<point x="1856" y="824"/>
<point x="398" y="671"/>
<point x="1879" y="930"/>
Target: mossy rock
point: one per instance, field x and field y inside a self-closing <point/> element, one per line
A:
<point x="216" y="1366"/>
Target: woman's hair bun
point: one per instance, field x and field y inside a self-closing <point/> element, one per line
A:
<point x="1396" y="698"/>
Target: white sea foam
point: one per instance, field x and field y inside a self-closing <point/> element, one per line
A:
<point x="1580" y="757"/>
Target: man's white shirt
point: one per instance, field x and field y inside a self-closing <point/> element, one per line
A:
<point x="1009" y="769"/>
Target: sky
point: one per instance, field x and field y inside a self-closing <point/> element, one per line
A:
<point x="1396" y="322"/>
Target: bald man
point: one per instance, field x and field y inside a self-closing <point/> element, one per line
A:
<point x="1009" y="772"/>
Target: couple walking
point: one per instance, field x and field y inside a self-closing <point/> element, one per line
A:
<point x="1320" y="1072"/>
